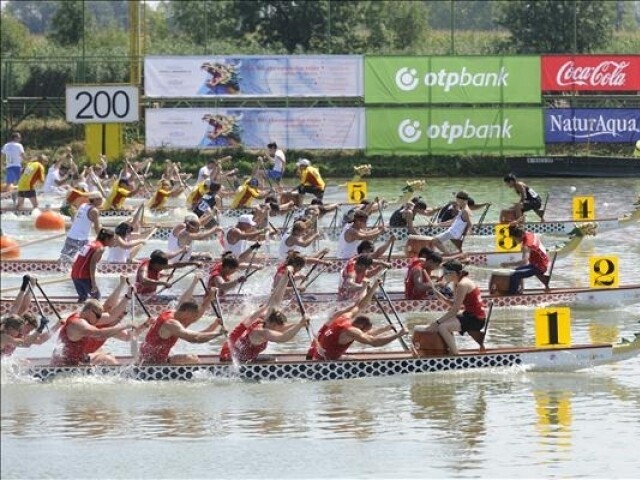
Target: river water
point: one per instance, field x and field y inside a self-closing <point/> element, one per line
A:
<point x="501" y="423"/>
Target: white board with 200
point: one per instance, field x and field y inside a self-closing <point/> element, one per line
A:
<point x="102" y="103"/>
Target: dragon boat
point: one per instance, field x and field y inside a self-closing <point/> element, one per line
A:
<point x="490" y="259"/>
<point x="357" y="365"/>
<point x="321" y="303"/>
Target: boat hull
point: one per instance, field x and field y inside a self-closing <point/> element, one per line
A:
<point x="292" y="367"/>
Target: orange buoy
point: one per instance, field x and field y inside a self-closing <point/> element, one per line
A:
<point x="49" y="220"/>
<point x="9" y="249"/>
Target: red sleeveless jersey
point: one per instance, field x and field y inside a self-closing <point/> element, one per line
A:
<point x="216" y="271"/>
<point x="82" y="264"/>
<point x="151" y="273"/>
<point x="243" y="349"/>
<point x="474" y="305"/>
<point x="328" y="340"/>
<point x="350" y="267"/>
<point x="72" y="352"/>
<point x="409" y="284"/>
<point x="537" y="254"/>
<point x="155" y="349"/>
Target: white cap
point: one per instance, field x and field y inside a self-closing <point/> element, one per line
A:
<point x="191" y="217"/>
<point x="247" y="219"/>
<point x="95" y="196"/>
<point x="303" y="162"/>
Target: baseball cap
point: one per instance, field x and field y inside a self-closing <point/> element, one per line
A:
<point x="248" y="219"/>
<point x="253" y="182"/>
<point x="303" y="162"/>
<point x="191" y="218"/>
<point x="95" y="196"/>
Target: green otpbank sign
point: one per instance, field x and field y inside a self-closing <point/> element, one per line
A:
<point x="498" y="79"/>
<point x="491" y="131"/>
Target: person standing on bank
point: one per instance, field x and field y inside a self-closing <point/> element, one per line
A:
<point x="13" y="155"/>
<point x="278" y="160"/>
<point x="466" y="295"/>
<point x="534" y="262"/>
<point x="529" y="198"/>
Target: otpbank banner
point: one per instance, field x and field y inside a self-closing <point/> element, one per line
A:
<point x="498" y="79"/>
<point x="296" y="128"/>
<point x="415" y="131"/>
<point x="594" y="125"/>
<point x="253" y="76"/>
<point x="585" y="73"/>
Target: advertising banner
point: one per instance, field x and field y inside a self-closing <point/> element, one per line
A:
<point x="253" y="76"/>
<point x="416" y="131"/>
<point x="296" y="128"/>
<point x="452" y="79"/>
<point x="594" y="125"/>
<point x="584" y="73"/>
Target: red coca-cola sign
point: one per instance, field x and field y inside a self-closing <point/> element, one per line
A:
<point x="590" y="73"/>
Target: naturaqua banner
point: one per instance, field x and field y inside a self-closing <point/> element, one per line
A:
<point x="593" y="125"/>
<point x="470" y="79"/>
<point x="416" y="131"/>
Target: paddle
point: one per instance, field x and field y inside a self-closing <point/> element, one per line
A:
<point x="46" y="297"/>
<point x="45" y="282"/>
<point x="177" y="280"/>
<point x="44" y="321"/>
<point x="135" y="173"/>
<point x="306" y="277"/>
<point x="484" y="214"/>
<point x="545" y="279"/>
<point x="303" y="311"/>
<point x="33" y="242"/>
<point x="137" y="297"/>
<point x="246" y="271"/>
<point x="180" y="180"/>
<point x="217" y="311"/>
<point x="318" y="273"/>
<point x="395" y="312"/>
<point x="480" y="335"/>
<point x="393" y="242"/>
<point x="393" y="327"/>
<point x="544" y="207"/>
<point x="380" y="221"/>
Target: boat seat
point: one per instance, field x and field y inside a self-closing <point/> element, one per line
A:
<point x="480" y="335"/>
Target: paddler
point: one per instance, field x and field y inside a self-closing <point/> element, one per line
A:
<point x="77" y="195"/>
<point x="267" y="324"/>
<point x="529" y="198"/>
<point x="207" y="208"/>
<point x="419" y="282"/>
<point x="353" y="233"/>
<point x="173" y="325"/>
<point x="83" y="270"/>
<point x="32" y="176"/>
<point x="162" y="194"/>
<point x="150" y="269"/>
<point x="357" y="274"/>
<point x="246" y="193"/>
<point x="466" y="296"/>
<point x="310" y="180"/>
<point x="120" y="191"/>
<point x="221" y="272"/>
<point x="87" y="216"/>
<point x="185" y="233"/>
<point x="458" y="227"/>
<point x="196" y="193"/>
<point x="243" y="231"/>
<point x="404" y="216"/>
<point x="534" y="261"/>
<point x="347" y="326"/>
<point x="298" y="239"/>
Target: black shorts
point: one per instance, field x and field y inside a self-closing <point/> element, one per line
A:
<point x="312" y="190"/>
<point x="469" y="323"/>
<point x="27" y="194"/>
<point x="532" y="204"/>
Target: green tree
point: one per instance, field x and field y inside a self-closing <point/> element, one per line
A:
<point x="554" y="26"/>
<point x="69" y="23"/>
<point x="36" y="15"/>
<point x="15" y="40"/>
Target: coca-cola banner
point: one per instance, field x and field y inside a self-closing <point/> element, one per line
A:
<point x="584" y="73"/>
<point x="594" y="125"/>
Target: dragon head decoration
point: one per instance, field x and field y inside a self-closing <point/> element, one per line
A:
<point x="362" y="170"/>
<point x="413" y="186"/>
<point x="584" y="230"/>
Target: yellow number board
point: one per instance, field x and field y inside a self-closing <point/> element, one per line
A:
<point x="356" y="191"/>
<point x="504" y="242"/>
<point x="603" y="272"/>
<point x="584" y="209"/>
<point x="553" y="327"/>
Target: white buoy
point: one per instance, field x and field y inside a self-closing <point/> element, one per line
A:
<point x="572" y="189"/>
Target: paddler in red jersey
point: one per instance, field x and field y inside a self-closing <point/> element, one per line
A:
<point x="149" y="271"/>
<point x="418" y="284"/>
<point x="81" y="328"/>
<point x="347" y="326"/>
<point x="172" y="325"/>
<point x="466" y="296"/>
<point x="83" y="270"/>
<point x="221" y="272"/>
<point x="357" y="274"/>
<point x="267" y="324"/>
<point x="534" y="262"/>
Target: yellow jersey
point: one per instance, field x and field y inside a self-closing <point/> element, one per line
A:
<point x="244" y="196"/>
<point x="196" y="194"/>
<point x="310" y="176"/>
<point x="159" y="198"/>
<point x="32" y="175"/>
<point x="116" y="198"/>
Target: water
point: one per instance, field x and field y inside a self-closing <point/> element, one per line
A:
<point x="501" y="423"/>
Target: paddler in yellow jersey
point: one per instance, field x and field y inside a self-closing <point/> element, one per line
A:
<point x="196" y="194"/>
<point x="76" y="196"/>
<point x="310" y="179"/>
<point x="162" y="193"/>
<point x="246" y="193"/>
<point x="120" y="191"/>
<point x="32" y="175"/>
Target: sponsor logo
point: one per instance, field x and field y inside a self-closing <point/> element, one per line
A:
<point x="409" y="131"/>
<point x="592" y="127"/>
<point x="606" y="74"/>
<point x="407" y="79"/>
